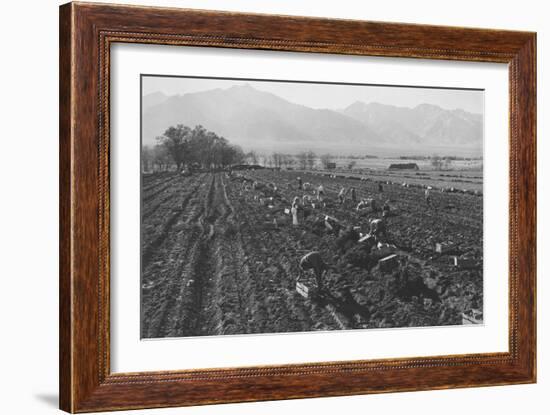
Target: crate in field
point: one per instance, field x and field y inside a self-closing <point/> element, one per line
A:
<point x="269" y="226"/>
<point x="307" y="286"/>
<point x="302" y="289"/>
<point x="389" y="263"/>
<point x="385" y="249"/>
<point x="281" y="219"/>
<point x="444" y="247"/>
<point x="466" y="263"/>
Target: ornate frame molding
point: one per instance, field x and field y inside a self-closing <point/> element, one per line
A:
<point x="86" y="34"/>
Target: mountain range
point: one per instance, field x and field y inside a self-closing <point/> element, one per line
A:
<point x="262" y="121"/>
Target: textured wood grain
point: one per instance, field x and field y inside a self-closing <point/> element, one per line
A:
<point x="86" y="33"/>
<point x="65" y="247"/>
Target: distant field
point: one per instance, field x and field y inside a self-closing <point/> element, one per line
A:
<point x="384" y="163"/>
<point x="439" y="180"/>
<point x="460" y="175"/>
<point x="463" y="180"/>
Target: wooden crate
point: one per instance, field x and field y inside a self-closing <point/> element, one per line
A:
<point x="302" y="289"/>
<point x="307" y="287"/>
<point x="444" y="247"/>
<point x="389" y="263"/>
<point x="466" y="263"/>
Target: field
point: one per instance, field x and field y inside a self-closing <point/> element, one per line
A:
<point x="382" y="162"/>
<point x="459" y="181"/>
<point x="219" y="257"/>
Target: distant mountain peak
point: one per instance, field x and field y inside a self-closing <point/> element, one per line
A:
<point x="356" y="104"/>
<point x="363" y="106"/>
<point x="429" y="108"/>
<point x="243" y="87"/>
<point x="263" y="121"/>
<point x="424" y="125"/>
<point x="153" y="99"/>
<point x="155" y="94"/>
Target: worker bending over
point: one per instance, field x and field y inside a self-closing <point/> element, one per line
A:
<point x="314" y="261"/>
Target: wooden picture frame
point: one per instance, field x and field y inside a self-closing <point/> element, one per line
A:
<point x="86" y="33"/>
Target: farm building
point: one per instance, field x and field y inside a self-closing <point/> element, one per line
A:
<point x="403" y="166"/>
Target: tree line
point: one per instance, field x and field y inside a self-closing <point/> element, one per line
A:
<point x="303" y="160"/>
<point x="185" y="147"/>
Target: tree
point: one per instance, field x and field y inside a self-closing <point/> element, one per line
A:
<point x="436" y="162"/>
<point x="161" y="158"/>
<point x="288" y="160"/>
<point x="198" y="146"/>
<point x="351" y="164"/>
<point x="251" y="157"/>
<point x="263" y="159"/>
<point x="147" y="158"/>
<point x="201" y="147"/>
<point x="278" y="159"/>
<point x="326" y="159"/>
<point x="231" y="154"/>
<point x="311" y="158"/>
<point x="302" y="160"/>
<point x="176" y="141"/>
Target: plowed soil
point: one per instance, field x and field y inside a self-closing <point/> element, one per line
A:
<point x="219" y="257"/>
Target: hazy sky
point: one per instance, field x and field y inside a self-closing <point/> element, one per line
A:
<point x="327" y="95"/>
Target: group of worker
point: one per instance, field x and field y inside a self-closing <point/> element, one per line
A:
<point x="363" y="205"/>
<point x="377" y="227"/>
<point x="314" y="261"/>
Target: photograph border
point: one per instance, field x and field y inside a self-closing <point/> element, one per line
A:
<point x="86" y="33"/>
<point x="221" y="78"/>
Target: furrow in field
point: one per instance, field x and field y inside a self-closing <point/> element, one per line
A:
<point x="222" y="266"/>
<point x="276" y="255"/>
<point x="151" y="184"/>
<point x="162" y="271"/>
<point x="157" y="228"/>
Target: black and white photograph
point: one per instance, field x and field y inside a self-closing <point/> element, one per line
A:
<point x="283" y="206"/>
<point x="275" y="207"/>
